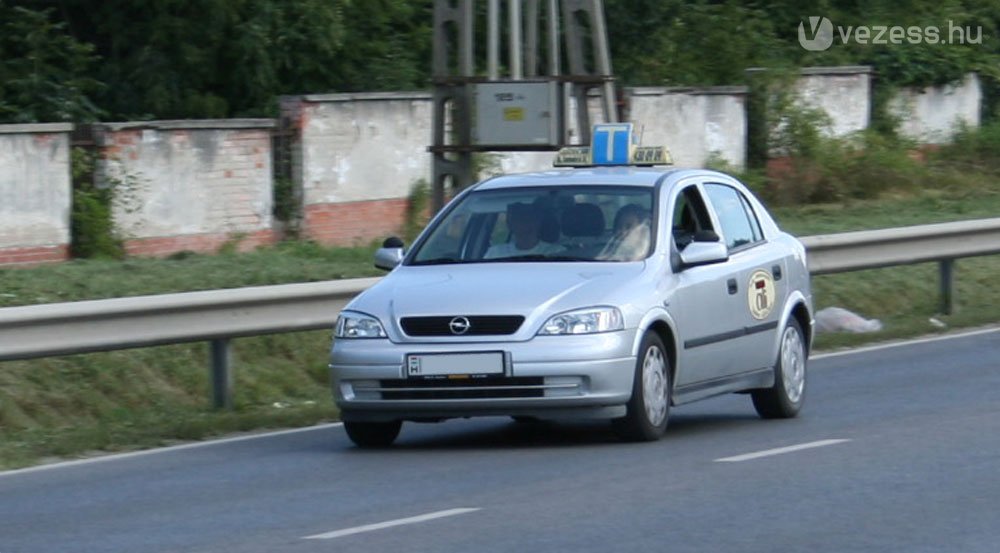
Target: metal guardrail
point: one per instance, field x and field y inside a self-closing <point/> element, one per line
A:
<point x="872" y="249"/>
<point x="35" y="331"/>
<point x="218" y="315"/>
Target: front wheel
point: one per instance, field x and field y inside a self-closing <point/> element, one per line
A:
<point x="785" y="398"/>
<point x="648" y="409"/>
<point x="373" y="434"/>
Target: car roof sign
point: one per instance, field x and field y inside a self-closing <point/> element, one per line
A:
<point x="612" y="145"/>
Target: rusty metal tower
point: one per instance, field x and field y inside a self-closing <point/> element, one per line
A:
<point x="523" y="102"/>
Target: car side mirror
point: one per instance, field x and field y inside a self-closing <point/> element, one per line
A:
<point x="390" y="254"/>
<point x="704" y="253"/>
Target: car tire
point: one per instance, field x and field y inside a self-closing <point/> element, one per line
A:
<point x="648" y="410"/>
<point x="373" y="434"/>
<point x="785" y="398"/>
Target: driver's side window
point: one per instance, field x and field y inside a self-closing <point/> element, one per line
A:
<point x="690" y="218"/>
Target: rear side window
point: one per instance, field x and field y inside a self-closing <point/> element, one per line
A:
<point x="738" y="221"/>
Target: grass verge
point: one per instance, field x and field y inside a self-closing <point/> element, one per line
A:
<point x="114" y="401"/>
<point x="86" y="279"/>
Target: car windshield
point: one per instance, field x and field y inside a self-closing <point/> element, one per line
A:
<point x="544" y="224"/>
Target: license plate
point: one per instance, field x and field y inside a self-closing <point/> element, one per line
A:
<point x="448" y="364"/>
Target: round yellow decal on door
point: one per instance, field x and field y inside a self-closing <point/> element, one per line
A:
<point x="760" y="294"/>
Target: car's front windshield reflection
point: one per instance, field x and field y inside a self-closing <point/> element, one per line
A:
<point x="564" y="223"/>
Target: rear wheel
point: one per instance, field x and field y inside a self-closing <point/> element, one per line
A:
<point x="373" y="434"/>
<point x="785" y="398"/>
<point x="648" y="409"/>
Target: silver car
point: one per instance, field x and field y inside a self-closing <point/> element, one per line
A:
<point x="602" y="292"/>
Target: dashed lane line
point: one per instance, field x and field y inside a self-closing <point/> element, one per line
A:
<point x="779" y="451"/>
<point x="391" y="523"/>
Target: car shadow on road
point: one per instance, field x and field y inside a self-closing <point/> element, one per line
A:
<point x="501" y="433"/>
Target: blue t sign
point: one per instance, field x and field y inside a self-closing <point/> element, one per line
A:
<point x="611" y="144"/>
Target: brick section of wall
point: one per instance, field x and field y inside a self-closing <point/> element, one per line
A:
<point x="34" y="255"/>
<point x="163" y="246"/>
<point x="189" y="185"/>
<point x="354" y="223"/>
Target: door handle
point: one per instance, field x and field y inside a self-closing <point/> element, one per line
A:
<point x="731" y="284"/>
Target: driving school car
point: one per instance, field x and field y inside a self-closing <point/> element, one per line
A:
<point x="609" y="288"/>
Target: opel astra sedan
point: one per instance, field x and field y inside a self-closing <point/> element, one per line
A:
<point x="611" y="292"/>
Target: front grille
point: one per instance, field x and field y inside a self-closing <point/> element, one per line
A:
<point x="479" y="325"/>
<point x="465" y="388"/>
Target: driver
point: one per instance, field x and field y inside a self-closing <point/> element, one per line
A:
<point x="525" y="222"/>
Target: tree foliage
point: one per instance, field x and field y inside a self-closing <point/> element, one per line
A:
<point x="78" y="60"/>
<point x="44" y="72"/>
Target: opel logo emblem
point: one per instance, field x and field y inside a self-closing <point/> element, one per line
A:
<point x="459" y="325"/>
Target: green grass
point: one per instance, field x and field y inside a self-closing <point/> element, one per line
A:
<point x="74" y="405"/>
<point x="926" y="207"/>
<point x="154" y="396"/>
<point x="86" y="279"/>
<point x="906" y="298"/>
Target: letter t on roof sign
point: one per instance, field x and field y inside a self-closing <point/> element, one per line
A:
<point x="612" y="144"/>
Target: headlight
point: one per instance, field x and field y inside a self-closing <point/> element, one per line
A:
<point x="585" y="321"/>
<point x="351" y="324"/>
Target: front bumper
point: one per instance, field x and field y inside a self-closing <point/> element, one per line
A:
<point x="588" y="376"/>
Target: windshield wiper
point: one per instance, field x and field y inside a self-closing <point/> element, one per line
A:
<point x="539" y="257"/>
<point x="438" y="261"/>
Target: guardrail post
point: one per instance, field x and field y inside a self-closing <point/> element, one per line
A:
<point x="946" y="269"/>
<point x="222" y="380"/>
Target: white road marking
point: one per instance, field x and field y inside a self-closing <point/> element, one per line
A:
<point x="167" y="449"/>
<point x="902" y="343"/>
<point x="390" y="524"/>
<point x="778" y="451"/>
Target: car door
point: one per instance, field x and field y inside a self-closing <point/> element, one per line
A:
<point x="758" y="267"/>
<point x="702" y="303"/>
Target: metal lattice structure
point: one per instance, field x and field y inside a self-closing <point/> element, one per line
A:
<point x="574" y="29"/>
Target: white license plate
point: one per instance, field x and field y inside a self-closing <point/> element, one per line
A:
<point x="446" y="364"/>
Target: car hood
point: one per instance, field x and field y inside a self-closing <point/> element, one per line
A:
<point x="534" y="290"/>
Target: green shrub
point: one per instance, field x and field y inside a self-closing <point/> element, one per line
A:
<point x="287" y="207"/>
<point x="92" y="228"/>
<point x="975" y="149"/>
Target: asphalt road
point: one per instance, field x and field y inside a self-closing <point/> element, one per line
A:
<point x="898" y="449"/>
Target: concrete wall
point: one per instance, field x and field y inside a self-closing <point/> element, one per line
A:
<point x="694" y="123"/>
<point x="189" y="185"/>
<point x="35" y="193"/>
<point x="931" y="115"/>
<point x="844" y="93"/>
<point x="357" y="159"/>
